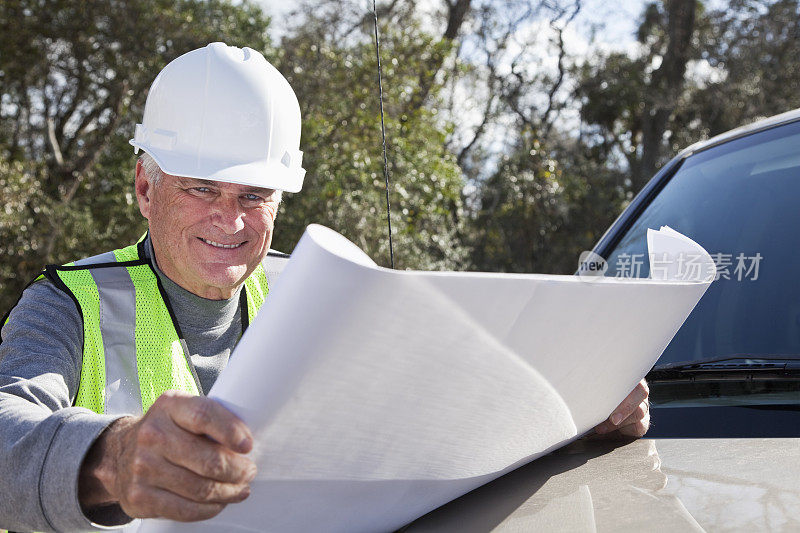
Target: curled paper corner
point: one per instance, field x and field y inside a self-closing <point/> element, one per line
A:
<point x="337" y="244"/>
<point x="675" y="257"/>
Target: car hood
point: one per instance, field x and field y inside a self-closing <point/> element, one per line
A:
<point x="644" y="485"/>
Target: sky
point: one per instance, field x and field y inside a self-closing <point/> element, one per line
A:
<point x="600" y="25"/>
<point x="617" y="18"/>
<point x="613" y="24"/>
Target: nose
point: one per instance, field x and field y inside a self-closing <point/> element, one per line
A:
<point x="227" y="215"/>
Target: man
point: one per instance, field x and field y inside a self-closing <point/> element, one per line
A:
<point x="103" y="364"/>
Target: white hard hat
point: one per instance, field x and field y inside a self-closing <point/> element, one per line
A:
<point x="224" y="113"/>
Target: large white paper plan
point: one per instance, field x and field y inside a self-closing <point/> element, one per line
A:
<point x="377" y="395"/>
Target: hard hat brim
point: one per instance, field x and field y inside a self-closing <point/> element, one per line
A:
<point x="265" y="174"/>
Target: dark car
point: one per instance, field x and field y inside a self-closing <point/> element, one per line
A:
<point x="723" y="451"/>
<point x="738" y="354"/>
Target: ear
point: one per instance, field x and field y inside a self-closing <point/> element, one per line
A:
<point x="144" y="190"/>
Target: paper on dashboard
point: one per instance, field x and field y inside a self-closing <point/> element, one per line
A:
<point x="377" y="395"/>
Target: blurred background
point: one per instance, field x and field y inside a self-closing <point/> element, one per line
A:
<point x="517" y="130"/>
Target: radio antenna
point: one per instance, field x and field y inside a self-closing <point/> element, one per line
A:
<point x="383" y="132"/>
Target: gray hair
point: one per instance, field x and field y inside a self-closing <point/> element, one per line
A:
<point x="154" y="172"/>
<point x="151" y="168"/>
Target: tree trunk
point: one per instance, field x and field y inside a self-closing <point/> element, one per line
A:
<point x="456" y="14"/>
<point x="666" y="86"/>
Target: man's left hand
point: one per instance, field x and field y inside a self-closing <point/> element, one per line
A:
<point x="631" y="418"/>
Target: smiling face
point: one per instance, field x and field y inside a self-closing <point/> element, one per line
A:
<point x="208" y="236"/>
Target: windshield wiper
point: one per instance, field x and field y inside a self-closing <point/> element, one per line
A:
<point x="739" y="367"/>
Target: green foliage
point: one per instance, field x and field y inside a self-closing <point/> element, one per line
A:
<point x="73" y="80"/>
<point x="520" y="205"/>
<point x="344" y="188"/>
<point x="24" y="205"/>
<point x="753" y="51"/>
<point x="543" y="207"/>
<point x="631" y="99"/>
<point x="742" y="65"/>
<point x="611" y="92"/>
<point x="74" y="76"/>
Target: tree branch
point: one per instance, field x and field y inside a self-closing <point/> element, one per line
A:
<point x="457" y="13"/>
<point x="51" y="137"/>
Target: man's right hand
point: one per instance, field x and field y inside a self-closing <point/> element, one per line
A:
<point x="182" y="460"/>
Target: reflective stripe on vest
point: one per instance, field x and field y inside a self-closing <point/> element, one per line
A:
<point x="132" y="349"/>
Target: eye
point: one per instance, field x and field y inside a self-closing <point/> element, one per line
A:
<point x="250" y="197"/>
<point x="201" y="190"/>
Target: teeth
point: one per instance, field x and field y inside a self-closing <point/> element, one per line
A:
<point x="218" y="245"/>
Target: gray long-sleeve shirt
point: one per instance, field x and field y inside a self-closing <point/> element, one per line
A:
<point x="43" y="440"/>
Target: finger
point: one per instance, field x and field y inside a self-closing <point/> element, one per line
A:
<point x="604" y="427"/>
<point x="150" y="469"/>
<point x="629" y="404"/>
<point x="637" y="429"/>
<point x="207" y="458"/>
<point x="159" y="436"/>
<point x="158" y="503"/>
<point x="638" y="414"/>
<point x="623" y="415"/>
<point x="203" y="416"/>
<point x="634" y="426"/>
<point x="189" y="485"/>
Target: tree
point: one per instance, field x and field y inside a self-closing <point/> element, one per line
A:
<point x="527" y="213"/>
<point x="485" y="171"/>
<point x="632" y="100"/>
<point x="520" y="207"/>
<point x="752" y="55"/>
<point x="73" y="80"/>
<point x="333" y="70"/>
<point x="543" y="206"/>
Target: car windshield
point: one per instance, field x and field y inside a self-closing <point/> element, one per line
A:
<point x="738" y="200"/>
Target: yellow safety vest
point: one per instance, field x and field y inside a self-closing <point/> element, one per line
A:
<point x="132" y="346"/>
<point x="133" y="349"/>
